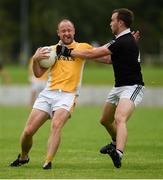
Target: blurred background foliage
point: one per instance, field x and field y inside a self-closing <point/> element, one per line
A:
<point x="29" y="24"/>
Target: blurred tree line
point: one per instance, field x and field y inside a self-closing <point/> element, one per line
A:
<point x="28" y="24"/>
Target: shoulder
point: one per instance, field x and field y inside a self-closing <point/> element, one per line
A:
<point x="53" y="46"/>
<point x="84" y="46"/>
<point x="125" y="40"/>
<point x="126" y="37"/>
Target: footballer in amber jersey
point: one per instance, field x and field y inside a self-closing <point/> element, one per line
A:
<point x="66" y="73"/>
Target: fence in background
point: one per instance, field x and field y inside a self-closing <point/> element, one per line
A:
<point x="20" y="95"/>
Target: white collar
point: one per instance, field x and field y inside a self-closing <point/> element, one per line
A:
<point x="61" y="43"/>
<point x="126" y="31"/>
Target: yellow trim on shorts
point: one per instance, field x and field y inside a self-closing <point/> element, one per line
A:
<point x="74" y="104"/>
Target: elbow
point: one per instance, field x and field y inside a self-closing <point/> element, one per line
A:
<point x="109" y="62"/>
<point x="37" y="75"/>
<point x="107" y="59"/>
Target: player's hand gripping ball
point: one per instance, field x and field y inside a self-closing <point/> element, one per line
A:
<point x="46" y="63"/>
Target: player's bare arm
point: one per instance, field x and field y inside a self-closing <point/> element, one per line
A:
<point x="86" y="54"/>
<point x="91" y="53"/>
<point x="104" y="59"/>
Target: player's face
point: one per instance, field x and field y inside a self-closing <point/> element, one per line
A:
<point x="114" y="24"/>
<point x="66" y="32"/>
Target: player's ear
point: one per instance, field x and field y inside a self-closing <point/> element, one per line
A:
<point x="57" y="32"/>
<point x="121" y="22"/>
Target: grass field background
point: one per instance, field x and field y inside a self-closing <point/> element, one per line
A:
<point x="78" y="155"/>
<point x="94" y="74"/>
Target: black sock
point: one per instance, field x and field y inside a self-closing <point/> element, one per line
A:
<point x="113" y="142"/>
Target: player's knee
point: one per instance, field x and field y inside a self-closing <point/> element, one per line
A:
<point x="27" y="132"/>
<point x="119" y="119"/>
<point x="56" y="126"/>
<point x="104" y="121"/>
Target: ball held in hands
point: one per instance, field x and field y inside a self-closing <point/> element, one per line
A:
<point x="48" y="62"/>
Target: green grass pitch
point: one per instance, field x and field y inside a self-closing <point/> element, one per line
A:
<point x="78" y="155"/>
<point x="94" y="74"/>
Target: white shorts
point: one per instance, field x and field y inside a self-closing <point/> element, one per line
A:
<point x="38" y="85"/>
<point x="134" y="93"/>
<point x="52" y="100"/>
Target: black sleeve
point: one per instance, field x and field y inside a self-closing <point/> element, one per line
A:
<point x="113" y="46"/>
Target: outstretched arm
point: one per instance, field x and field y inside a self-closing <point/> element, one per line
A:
<point x="91" y="53"/>
<point x="86" y="54"/>
<point x="104" y="59"/>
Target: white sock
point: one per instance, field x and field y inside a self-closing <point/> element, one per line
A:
<point x="119" y="152"/>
